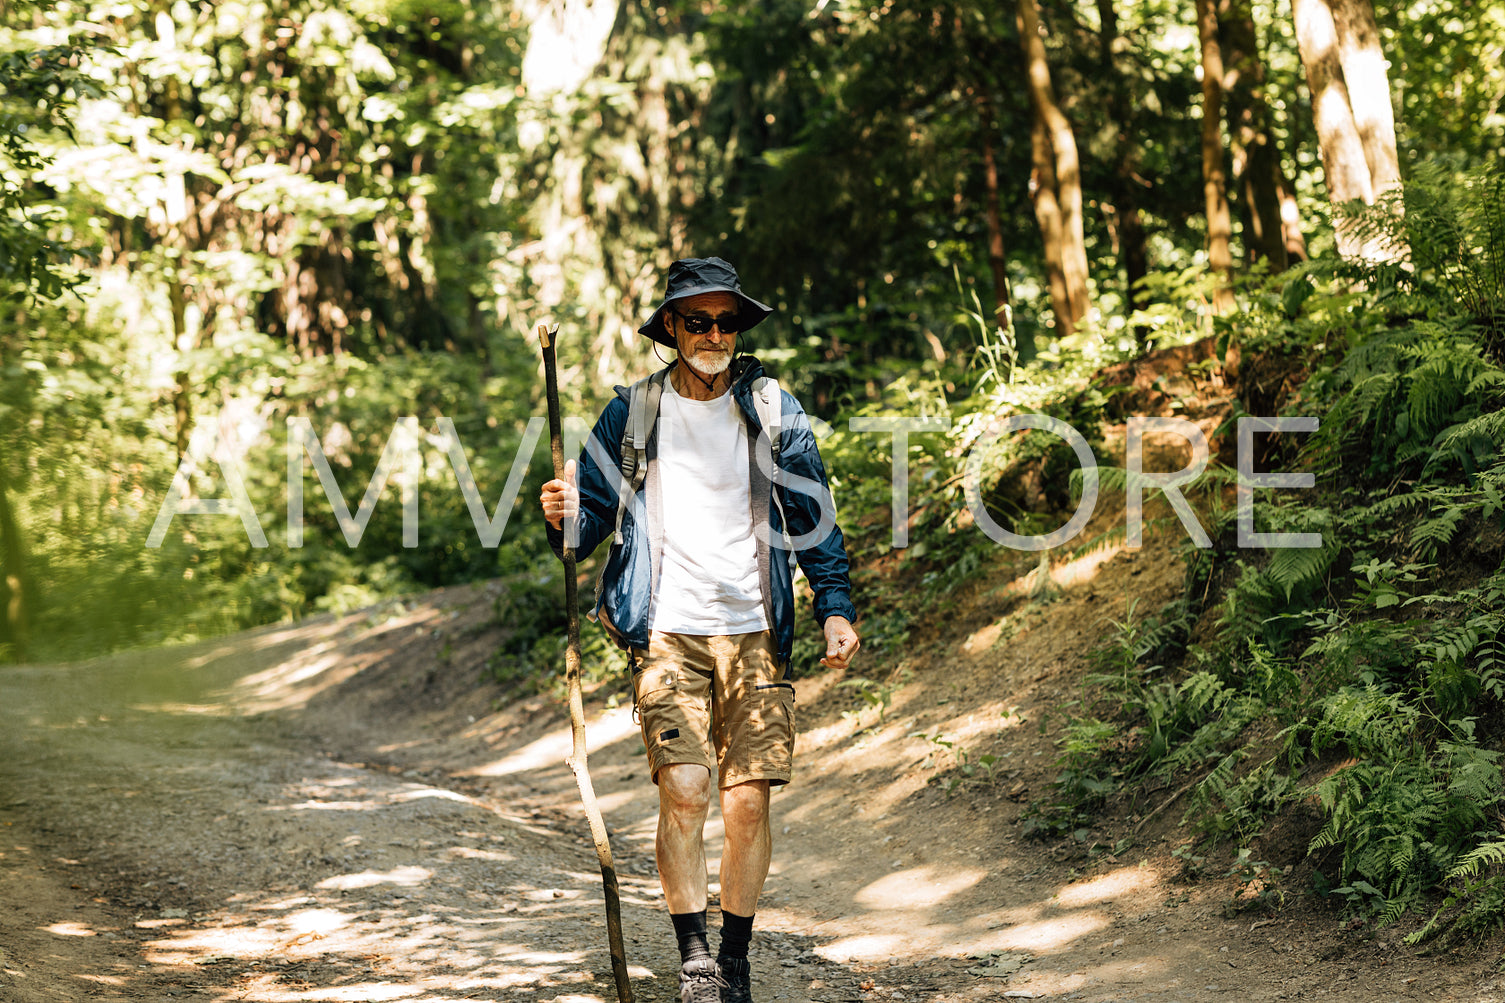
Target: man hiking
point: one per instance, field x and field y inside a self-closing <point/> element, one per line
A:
<point x="705" y="477"/>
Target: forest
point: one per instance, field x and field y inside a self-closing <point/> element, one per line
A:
<point x="272" y="271"/>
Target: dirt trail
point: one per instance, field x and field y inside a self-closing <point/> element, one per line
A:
<point x="343" y="810"/>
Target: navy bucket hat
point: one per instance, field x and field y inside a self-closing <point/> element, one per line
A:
<point x="694" y="276"/>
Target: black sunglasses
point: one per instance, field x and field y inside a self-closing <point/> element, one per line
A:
<point x="699" y="323"/>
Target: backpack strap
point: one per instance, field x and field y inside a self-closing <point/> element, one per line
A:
<point x="768" y="399"/>
<point x="642" y="414"/>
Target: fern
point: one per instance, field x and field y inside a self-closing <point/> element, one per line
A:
<point x="1404" y="826"/>
<point x="1239" y="807"/>
<point x="1417" y="392"/>
<point x="1293" y="568"/>
<point x="1487" y="428"/>
<point x="1430" y="537"/>
<point x="1484" y="855"/>
<point x="1436" y="387"/>
<point x="1364" y="649"/>
<point x="1452" y="234"/>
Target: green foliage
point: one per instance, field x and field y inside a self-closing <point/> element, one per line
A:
<point x="1257" y="883"/>
<point x="40" y="85"/>
<point x="1373" y="661"/>
<point x="1225" y="803"/>
<point x="964" y="767"/>
<point x="1446" y="229"/>
<point x="529" y="610"/>
<point x="875" y="695"/>
<point x="1405" y="824"/>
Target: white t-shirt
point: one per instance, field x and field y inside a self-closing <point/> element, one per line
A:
<point x="709" y="578"/>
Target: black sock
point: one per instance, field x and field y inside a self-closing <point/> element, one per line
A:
<point x="736" y="932"/>
<point x="689" y="927"/>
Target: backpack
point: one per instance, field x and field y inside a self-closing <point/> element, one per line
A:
<point x="642" y="414"/>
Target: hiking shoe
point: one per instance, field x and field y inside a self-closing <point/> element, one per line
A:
<point x="700" y="981"/>
<point x="738" y="977"/>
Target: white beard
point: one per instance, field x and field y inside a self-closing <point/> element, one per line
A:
<point x="710" y="363"/>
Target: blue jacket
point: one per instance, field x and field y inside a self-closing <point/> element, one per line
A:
<point x="624" y="594"/>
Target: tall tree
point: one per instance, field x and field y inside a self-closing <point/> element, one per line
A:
<point x="977" y="43"/>
<point x="1127" y="185"/>
<point x="1057" y="179"/>
<point x="1270" y="222"/>
<point x="1350" y="89"/>
<point x="997" y="260"/>
<point x="1214" y="173"/>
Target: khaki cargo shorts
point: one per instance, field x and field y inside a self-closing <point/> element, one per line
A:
<point x="720" y="701"/>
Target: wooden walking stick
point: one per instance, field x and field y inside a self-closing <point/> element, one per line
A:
<point x="577" y="757"/>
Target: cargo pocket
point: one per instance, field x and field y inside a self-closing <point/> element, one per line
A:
<point x="780" y="696"/>
<point x="775" y="723"/>
<point x="654" y="688"/>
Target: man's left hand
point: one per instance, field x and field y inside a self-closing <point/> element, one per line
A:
<point x="841" y="643"/>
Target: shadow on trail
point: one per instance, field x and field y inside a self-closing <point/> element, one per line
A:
<point x="345" y="809"/>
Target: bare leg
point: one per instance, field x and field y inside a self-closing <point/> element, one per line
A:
<point x="684" y="798"/>
<point x="749" y="846"/>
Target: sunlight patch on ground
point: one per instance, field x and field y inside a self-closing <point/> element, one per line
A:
<point x="405" y="876"/>
<point x="295" y="681"/>
<point x="277" y="905"/>
<point x="433" y="792"/>
<point x="70" y="930"/>
<point x="281" y="936"/>
<point x="1110" y="886"/>
<point x="1053" y="934"/>
<point x="611" y="727"/>
<point x="544" y="957"/>
<point x="468" y="853"/>
<point x="327" y="806"/>
<point x="552" y="894"/>
<point x="917" y="887"/>
<point x="225" y="942"/>
<point x="611" y="802"/>
<point x="411" y="942"/>
<point x="1084" y="568"/>
<point x="267" y="989"/>
<point x="309" y="630"/>
<point x="897" y="751"/>
<point x="186" y="709"/>
<point x="1029" y="931"/>
<point x="873" y="946"/>
<point x="319" y="922"/>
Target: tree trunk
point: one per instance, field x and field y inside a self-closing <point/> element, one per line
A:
<point x="1356" y="133"/>
<point x="1214" y="175"/>
<point x="1132" y="252"/>
<point x="1290" y="220"/>
<point x="15" y="582"/>
<point x="1257" y="172"/>
<point x="1048" y="216"/>
<point x="1053" y="132"/>
<point x="1368" y="89"/>
<point x="1024" y="343"/>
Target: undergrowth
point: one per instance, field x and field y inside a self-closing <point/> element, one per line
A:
<point x="1364" y="676"/>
